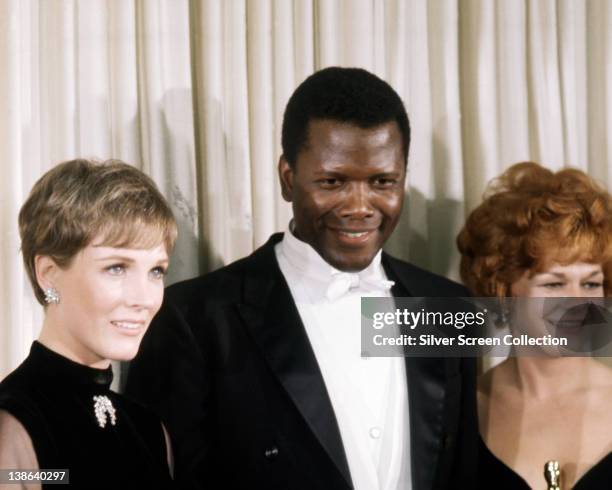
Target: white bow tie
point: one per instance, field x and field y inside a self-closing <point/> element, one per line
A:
<point x="344" y="282"/>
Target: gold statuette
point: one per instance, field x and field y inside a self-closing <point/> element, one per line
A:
<point x="552" y="475"/>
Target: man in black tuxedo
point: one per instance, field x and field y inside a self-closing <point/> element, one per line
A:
<point x="248" y="365"/>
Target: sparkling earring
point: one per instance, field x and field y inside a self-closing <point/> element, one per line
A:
<point x="504" y="313"/>
<point x="502" y="319"/>
<point x="52" y="296"/>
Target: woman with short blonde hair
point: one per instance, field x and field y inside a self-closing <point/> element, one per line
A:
<point x="95" y="240"/>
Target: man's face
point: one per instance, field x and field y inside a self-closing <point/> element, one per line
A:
<point x="347" y="190"/>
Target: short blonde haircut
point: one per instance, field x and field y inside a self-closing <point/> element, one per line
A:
<point x="530" y="218"/>
<point x="79" y="201"/>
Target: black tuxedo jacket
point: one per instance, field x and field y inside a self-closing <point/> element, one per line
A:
<point x="228" y="366"/>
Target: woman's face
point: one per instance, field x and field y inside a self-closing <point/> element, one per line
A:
<point x="558" y="305"/>
<point x="108" y="297"/>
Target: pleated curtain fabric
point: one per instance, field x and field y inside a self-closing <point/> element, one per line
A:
<point x="192" y="92"/>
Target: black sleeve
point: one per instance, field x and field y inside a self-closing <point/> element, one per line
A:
<point x="168" y="376"/>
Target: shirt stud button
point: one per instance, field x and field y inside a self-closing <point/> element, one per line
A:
<point x="375" y="432"/>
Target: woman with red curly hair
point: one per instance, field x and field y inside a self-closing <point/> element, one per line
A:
<point x="542" y="234"/>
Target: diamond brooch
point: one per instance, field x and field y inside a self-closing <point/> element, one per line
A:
<point x="103" y="408"/>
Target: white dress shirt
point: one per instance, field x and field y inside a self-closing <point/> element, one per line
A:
<point x="369" y="395"/>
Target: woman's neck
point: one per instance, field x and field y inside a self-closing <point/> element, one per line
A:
<point x="542" y="377"/>
<point x="55" y="338"/>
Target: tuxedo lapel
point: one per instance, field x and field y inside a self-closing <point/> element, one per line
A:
<point x="428" y="381"/>
<point x="272" y="318"/>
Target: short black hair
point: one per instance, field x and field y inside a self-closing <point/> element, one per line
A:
<point x="350" y="95"/>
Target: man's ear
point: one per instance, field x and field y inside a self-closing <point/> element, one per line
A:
<point x="285" y="175"/>
<point x="46" y="271"/>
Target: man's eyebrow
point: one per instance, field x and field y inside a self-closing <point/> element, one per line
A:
<point x="392" y="173"/>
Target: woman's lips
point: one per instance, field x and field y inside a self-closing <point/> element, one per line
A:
<point x="571" y="321"/>
<point x="128" y="327"/>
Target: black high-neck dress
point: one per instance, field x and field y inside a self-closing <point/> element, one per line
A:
<point x="53" y="398"/>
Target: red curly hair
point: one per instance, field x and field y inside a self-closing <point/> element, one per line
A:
<point x="530" y="218"/>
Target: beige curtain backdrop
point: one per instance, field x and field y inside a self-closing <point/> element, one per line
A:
<point x="192" y="92"/>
